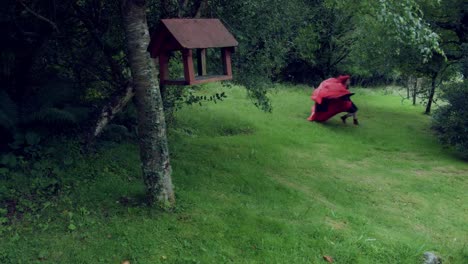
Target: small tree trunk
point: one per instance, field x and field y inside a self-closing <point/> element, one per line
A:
<point x="431" y="94"/>
<point x="415" y="89"/>
<point x="200" y="5"/>
<point x="154" y="151"/>
<point x="410" y="79"/>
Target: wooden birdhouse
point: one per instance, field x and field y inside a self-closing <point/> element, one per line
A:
<point x="187" y="35"/>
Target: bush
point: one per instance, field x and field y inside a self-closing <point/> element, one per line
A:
<point x="451" y="121"/>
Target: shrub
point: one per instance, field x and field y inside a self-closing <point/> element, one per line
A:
<point x="451" y="120"/>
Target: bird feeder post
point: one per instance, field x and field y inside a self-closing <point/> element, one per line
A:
<point x="189" y="74"/>
<point x="201" y="62"/>
<point x="226" y="57"/>
<point x="163" y="67"/>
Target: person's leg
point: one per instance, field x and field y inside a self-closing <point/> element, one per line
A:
<point x="354" y="110"/>
<point x="354" y="115"/>
<point x="355" y="121"/>
<point x="343" y="118"/>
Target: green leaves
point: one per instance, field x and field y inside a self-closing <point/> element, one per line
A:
<point x="8" y="111"/>
<point x="9" y="160"/>
<point x="306" y="43"/>
<point x="32" y="138"/>
<point x="451" y="120"/>
<point x="71" y="227"/>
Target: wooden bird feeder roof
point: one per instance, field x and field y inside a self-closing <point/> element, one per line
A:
<point x="178" y="34"/>
<point x="185" y="35"/>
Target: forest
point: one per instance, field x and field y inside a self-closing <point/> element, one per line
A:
<point x="101" y="162"/>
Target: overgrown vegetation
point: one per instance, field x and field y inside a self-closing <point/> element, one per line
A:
<point x="79" y="46"/>
<point x="451" y="120"/>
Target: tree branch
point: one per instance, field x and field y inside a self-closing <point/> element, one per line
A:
<point x="200" y="6"/>
<point x="182" y="7"/>
<point x="115" y="67"/>
<point x="48" y="21"/>
<point x="108" y="112"/>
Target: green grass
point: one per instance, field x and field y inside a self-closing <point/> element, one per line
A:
<point x="255" y="187"/>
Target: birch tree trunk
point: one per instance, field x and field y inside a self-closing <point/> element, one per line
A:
<point x="115" y="105"/>
<point x="154" y="151"/>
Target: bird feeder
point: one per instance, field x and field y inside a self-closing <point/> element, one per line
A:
<point x="187" y="35"/>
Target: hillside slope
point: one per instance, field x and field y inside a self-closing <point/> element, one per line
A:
<point x="255" y="187"/>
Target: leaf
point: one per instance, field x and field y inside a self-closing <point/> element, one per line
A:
<point x="18" y="141"/>
<point x="4" y="171"/>
<point x="15" y="238"/>
<point x="8" y="160"/>
<point x="42" y="255"/>
<point x="3" y="211"/>
<point x="32" y="138"/>
<point x="71" y="227"/>
<point x="328" y="259"/>
<point x="67" y="161"/>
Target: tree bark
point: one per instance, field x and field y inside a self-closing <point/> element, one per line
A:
<point x="123" y="95"/>
<point x="408" y="85"/>
<point x="110" y="110"/>
<point x="415" y="89"/>
<point x="431" y="94"/>
<point x="107" y="50"/>
<point x="199" y="7"/>
<point x="154" y="151"/>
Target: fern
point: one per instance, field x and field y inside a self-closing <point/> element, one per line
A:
<point x="115" y="133"/>
<point x="81" y="114"/>
<point x="54" y="93"/>
<point x="6" y="122"/>
<point x="8" y="112"/>
<point x="52" y="116"/>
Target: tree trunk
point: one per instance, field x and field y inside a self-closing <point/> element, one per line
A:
<point x="121" y="97"/>
<point x="415" y="90"/>
<point x="410" y="78"/>
<point x="154" y="151"/>
<point x="431" y="94"/>
<point x="200" y="6"/>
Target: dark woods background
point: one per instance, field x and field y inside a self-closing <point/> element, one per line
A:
<point x="63" y="63"/>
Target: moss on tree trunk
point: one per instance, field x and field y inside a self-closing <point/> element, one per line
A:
<point x="154" y="150"/>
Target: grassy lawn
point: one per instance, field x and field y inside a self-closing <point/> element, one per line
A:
<point x="255" y="187"/>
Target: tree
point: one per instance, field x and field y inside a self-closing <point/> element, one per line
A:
<point x="324" y="41"/>
<point x="265" y="30"/>
<point x="450" y="22"/>
<point x="451" y="120"/>
<point x="154" y="151"/>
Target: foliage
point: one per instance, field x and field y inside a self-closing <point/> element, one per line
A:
<point x="50" y="110"/>
<point x="265" y="30"/>
<point x="390" y="35"/>
<point x="63" y="60"/>
<point x="33" y="180"/>
<point x="299" y="40"/>
<point x="451" y="120"/>
<point x="323" y="40"/>
<point x="8" y="114"/>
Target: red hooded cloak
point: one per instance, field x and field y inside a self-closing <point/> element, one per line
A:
<point x="331" y="98"/>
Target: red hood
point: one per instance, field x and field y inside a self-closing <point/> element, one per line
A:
<point x="331" y="88"/>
